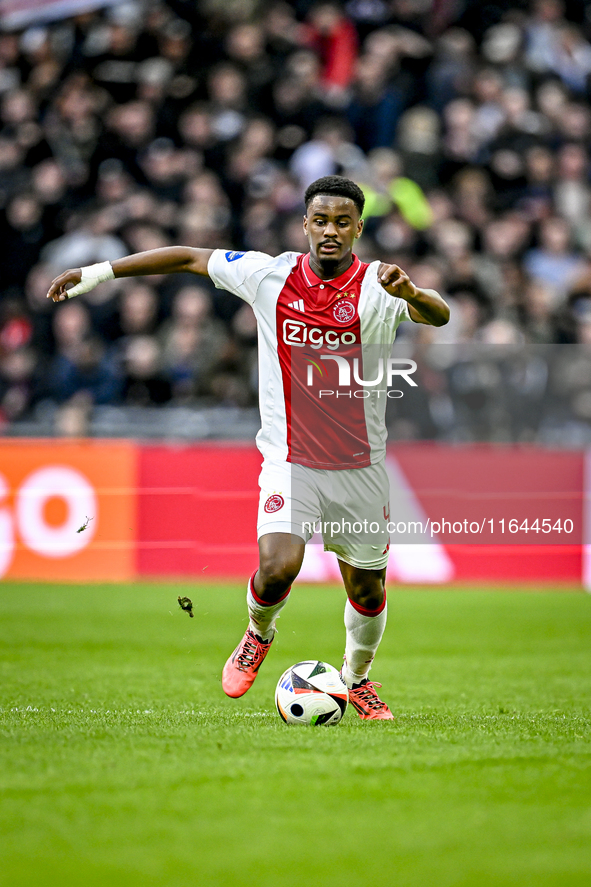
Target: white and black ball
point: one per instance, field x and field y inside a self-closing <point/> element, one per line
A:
<point x="312" y="693"/>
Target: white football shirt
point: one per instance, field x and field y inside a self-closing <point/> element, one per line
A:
<point x="324" y="347"/>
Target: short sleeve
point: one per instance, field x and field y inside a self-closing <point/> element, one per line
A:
<point x="396" y="312"/>
<point x="388" y="311"/>
<point x="401" y="311"/>
<point x="239" y="273"/>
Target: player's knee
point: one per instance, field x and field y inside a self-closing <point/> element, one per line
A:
<point x="368" y="594"/>
<point x="275" y="574"/>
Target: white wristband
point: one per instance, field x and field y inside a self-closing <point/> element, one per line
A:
<point x="91" y="275"/>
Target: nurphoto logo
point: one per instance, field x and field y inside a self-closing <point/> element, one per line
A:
<point x="395" y="366"/>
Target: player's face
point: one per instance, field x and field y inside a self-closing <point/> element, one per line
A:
<point x="332" y="225"/>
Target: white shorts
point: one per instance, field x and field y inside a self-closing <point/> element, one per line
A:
<point x="350" y="508"/>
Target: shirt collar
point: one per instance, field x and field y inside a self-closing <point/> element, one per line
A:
<point x="337" y="283"/>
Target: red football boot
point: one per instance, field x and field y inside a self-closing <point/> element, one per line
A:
<point x="242" y="667"/>
<point x="367" y="703"/>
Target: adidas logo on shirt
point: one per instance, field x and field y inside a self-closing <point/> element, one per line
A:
<point x="298" y="305"/>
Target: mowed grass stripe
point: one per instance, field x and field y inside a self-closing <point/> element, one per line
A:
<point x="123" y="763"/>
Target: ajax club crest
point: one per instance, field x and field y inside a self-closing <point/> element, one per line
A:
<point x="274" y="503"/>
<point x="343" y="311"/>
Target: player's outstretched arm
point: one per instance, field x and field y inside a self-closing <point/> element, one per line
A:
<point x="166" y="260"/>
<point x="425" y="306"/>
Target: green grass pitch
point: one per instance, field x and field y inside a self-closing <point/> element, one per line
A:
<point x="122" y="763"/>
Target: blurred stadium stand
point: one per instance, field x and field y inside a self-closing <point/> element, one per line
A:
<point x="136" y="124"/>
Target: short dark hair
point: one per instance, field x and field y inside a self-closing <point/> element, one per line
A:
<point x="336" y="186"/>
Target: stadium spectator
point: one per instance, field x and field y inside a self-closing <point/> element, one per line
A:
<point x="193" y="342"/>
<point x="81" y="363"/>
<point x="554" y="262"/>
<point x="145" y="384"/>
<point x="333" y="36"/>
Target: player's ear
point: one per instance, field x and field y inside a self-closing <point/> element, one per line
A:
<point x="359" y="228"/>
<point x="305" y="224"/>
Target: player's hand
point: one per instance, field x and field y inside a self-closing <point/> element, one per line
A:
<point x="396" y="281"/>
<point x="57" y="291"/>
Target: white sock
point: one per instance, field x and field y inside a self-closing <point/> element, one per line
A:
<point x="263" y="616"/>
<point x="364" y="634"/>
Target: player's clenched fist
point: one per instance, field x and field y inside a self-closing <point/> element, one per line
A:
<point x="396" y="281"/>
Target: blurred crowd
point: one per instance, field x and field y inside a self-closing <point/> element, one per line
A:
<point x="153" y="122"/>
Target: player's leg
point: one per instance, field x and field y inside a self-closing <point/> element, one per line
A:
<point x="359" y="512"/>
<point x="280" y="560"/>
<point x="365" y="621"/>
<point x="281" y="551"/>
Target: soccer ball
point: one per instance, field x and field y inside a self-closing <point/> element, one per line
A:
<point x="311" y="693"/>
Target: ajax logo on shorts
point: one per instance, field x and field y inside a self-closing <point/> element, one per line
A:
<point x="231" y="256"/>
<point x="343" y="311"/>
<point x="274" y="503"/>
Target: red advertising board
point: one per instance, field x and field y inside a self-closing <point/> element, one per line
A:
<point x="483" y="513"/>
<point x="198" y="504"/>
<point x="509" y="488"/>
<point x="197" y="510"/>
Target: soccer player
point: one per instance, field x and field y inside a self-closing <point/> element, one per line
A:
<point x="326" y="325"/>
